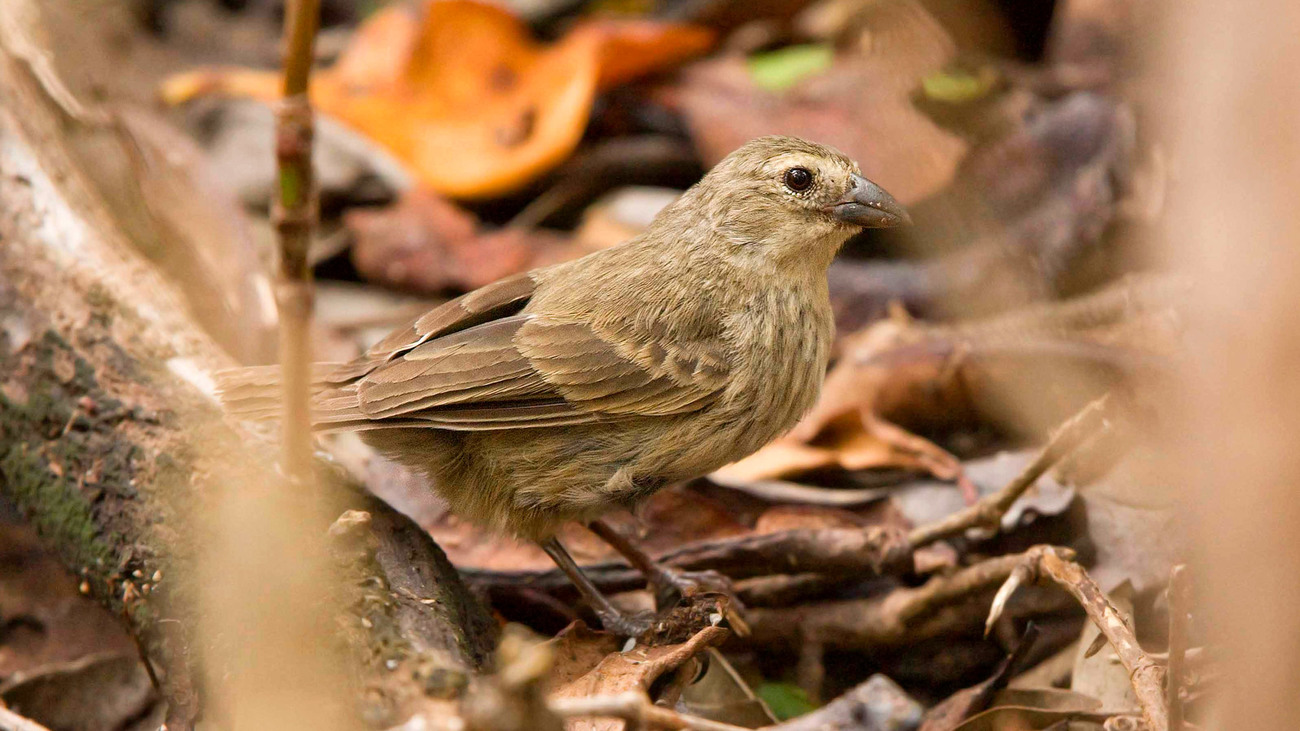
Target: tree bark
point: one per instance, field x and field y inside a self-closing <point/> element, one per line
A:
<point x="112" y="446"/>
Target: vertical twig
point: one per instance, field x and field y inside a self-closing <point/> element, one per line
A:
<point x="1179" y="597"/>
<point x="295" y="217"/>
<point x="1146" y="675"/>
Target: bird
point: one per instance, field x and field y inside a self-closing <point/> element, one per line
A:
<point x="567" y="392"/>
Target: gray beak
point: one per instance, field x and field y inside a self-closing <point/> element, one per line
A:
<point x="868" y="205"/>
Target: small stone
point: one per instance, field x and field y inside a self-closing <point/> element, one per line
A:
<point x="349" y="522"/>
<point x="631" y="643"/>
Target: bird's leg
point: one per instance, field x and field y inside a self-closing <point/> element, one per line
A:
<point x="670" y="585"/>
<point x="612" y="619"/>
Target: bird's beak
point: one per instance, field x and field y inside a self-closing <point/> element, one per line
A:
<point x="868" y="205"/>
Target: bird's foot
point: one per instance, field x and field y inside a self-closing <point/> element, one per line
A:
<point x="625" y="624"/>
<point x="695" y="599"/>
<point x="673" y="586"/>
<point x="699" y="612"/>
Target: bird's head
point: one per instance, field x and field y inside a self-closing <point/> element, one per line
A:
<point x="787" y="199"/>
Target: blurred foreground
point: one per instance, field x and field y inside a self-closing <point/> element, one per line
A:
<point x="1101" y="197"/>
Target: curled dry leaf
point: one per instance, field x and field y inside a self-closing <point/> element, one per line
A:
<point x="613" y="672"/>
<point x="1025" y="370"/>
<point x="464" y="95"/>
<point x="849" y="427"/>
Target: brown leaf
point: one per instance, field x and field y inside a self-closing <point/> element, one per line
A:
<point x="860" y="105"/>
<point x="636" y="669"/>
<point x="97" y="692"/>
<point x="425" y="243"/>
<point x="578" y="649"/>
<point x="464" y="95"/>
<point x="47" y="622"/>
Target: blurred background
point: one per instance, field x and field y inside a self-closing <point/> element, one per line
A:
<point x="1101" y="196"/>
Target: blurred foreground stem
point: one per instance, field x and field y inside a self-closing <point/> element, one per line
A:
<point x="295" y="213"/>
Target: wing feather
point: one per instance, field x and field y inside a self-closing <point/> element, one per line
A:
<point x="484" y="362"/>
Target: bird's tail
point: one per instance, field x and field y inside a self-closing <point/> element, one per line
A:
<point x="254" y="393"/>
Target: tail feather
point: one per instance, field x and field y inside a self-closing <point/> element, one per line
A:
<point x="254" y="394"/>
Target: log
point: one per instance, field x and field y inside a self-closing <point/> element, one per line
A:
<point x="113" y="448"/>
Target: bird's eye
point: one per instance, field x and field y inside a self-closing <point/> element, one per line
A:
<point x="798" y="179"/>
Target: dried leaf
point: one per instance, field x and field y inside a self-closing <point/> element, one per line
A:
<point x="847" y="428"/>
<point x="425" y="243"/>
<point x="956" y="708"/>
<point x="723" y="695"/>
<point x="95" y="693"/>
<point x="859" y="104"/>
<point x="464" y="95"/>
<point x="636" y="669"/>
<point x="47" y="622"/>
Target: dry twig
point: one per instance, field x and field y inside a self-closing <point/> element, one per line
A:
<point x="903" y="615"/>
<point x="1146" y="674"/>
<point x="988" y="512"/>
<point x="295" y="218"/>
<point x="636" y="708"/>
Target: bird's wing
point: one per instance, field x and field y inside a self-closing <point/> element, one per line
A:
<point x="499" y="299"/>
<point x="526" y="371"/>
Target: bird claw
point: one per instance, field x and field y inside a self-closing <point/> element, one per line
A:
<point x="624" y="624"/>
<point x="673" y="586"/>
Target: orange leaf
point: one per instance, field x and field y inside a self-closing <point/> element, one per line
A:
<point x="465" y="96"/>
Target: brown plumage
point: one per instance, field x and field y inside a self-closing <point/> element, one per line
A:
<point x="564" y="392"/>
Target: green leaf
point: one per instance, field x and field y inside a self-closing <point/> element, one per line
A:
<point x="958" y="86"/>
<point x="786" y="700"/>
<point x="783" y="68"/>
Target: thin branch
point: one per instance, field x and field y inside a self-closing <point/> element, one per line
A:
<point x="934" y="609"/>
<point x="1146" y="675"/>
<point x="295" y="218"/>
<point x="988" y="512"/>
<point x="634" y="707"/>
<point x="1179" y="598"/>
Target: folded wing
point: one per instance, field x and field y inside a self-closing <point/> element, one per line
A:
<point x="480" y="362"/>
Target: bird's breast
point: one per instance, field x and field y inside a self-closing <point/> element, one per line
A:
<point x="783" y="348"/>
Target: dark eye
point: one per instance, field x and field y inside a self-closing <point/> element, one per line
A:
<point x="798" y="179"/>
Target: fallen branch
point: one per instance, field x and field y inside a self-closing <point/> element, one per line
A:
<point x="835" y="552"/>
<point x="1146" y="674"/>
<point x="114" y="448"/>
<point x="937" y="608"/>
